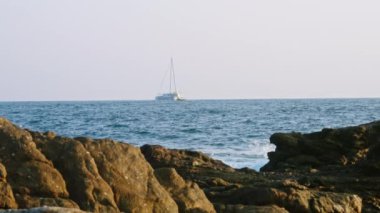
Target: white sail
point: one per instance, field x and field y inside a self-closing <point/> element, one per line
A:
<point x="171" y="95"/>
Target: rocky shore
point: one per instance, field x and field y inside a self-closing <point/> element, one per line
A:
<point x="334" y="170"/>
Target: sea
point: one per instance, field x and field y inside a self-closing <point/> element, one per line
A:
<point x="234" y="131"/>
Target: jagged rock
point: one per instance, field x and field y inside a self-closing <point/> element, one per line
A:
<point x="335" y="170"/>
<point x="7" y="199"/>
<point x="131" y="178"/>
<point x="296" y="200"/>
<point x="293" y="199"/>
<point x="188" y="196"/>
<point x="342" y="147"/>
<point x="159" y="156"/>
<point x="3" y="173"/>
<point x="329" y="202"/>
<point x="30" y="174"/>
<point x="280" y="187"/>
<point x="80" y="171"/>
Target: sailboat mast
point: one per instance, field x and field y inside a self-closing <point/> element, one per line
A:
<point x="171" y="68"/>
<point x="175" y="85"/>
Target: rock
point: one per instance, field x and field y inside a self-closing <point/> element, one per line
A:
<point x="372" y="164"/>
<point x="86" y="186"/>
<point x="7" y="199"/>
<point x="190" y="165"/>
<point x="159" y="157"/>
<point x="342" y="147"/>
<point x="27" y="200"/>
<point x="131" y="178"/>
<point x="292" y="199"/>
<point x="309" y="200"/>
<point x="331" y="202"/>
<point x="188" y="196"/>
<point x="30" y="174"/>
<point x="3" y="173"/>
<point x="334" y="170"/>
<point x="218" y="182"/>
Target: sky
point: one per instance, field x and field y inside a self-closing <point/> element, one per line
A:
<point x="241" y="49"/>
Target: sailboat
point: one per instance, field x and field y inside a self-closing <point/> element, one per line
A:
<point x="171" y="95"/>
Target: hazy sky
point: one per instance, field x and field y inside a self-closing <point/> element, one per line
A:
<point x="91" y="50"/>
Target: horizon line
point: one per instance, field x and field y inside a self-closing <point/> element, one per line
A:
<point x="191" y="99"/>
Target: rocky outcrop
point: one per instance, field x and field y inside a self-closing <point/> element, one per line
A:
<point x="344" y="160"/>
<point x="351" y="147"/>
<point x="131" y="178"/>
<point x="92" y="175"/>
<point x="84" y="183"/>
<point x="335" y="170"/>
<point x="158" y="156"/>
<point x="7" y="200"/>
<point x="32" y="177"/>
<point x="246" y="190"/>
<point x="187" y="194"/>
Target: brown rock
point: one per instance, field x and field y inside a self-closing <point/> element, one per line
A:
<point x="125" y="169"/>
<point x="30" y="202"/>
<point x="218" y="182"/>
<point x="7" y="199"/>
<point x="159" y="157"/>
<point x="78" y="167"/>
<point x="325" y="171"/>
<point x="3" y="173"/>
<point x="188" y="196"/>
<point x="334" y="202"/>
<point x="30" y="174"/>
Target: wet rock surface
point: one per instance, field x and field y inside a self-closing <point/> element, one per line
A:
<point x="334" y="170"/>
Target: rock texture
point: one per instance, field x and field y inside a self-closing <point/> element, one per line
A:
<point x="131" y="178"/>
<point x="32" y="177"/>
<point x="84" y="183"/>
<point x="7" y="200"/>
<point x="188" y="195"/>
<point x="159" y="156"/>
<point x="351" y="147"/>
<point x="334" y="170"/>
<point x="43" y="169"/>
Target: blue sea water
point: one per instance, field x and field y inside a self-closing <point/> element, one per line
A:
<point x="234" y="131"/>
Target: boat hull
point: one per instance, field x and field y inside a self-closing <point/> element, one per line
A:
<point x="169" y="97"/>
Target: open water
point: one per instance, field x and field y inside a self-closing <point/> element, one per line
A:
<point x="234" y="131"/>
